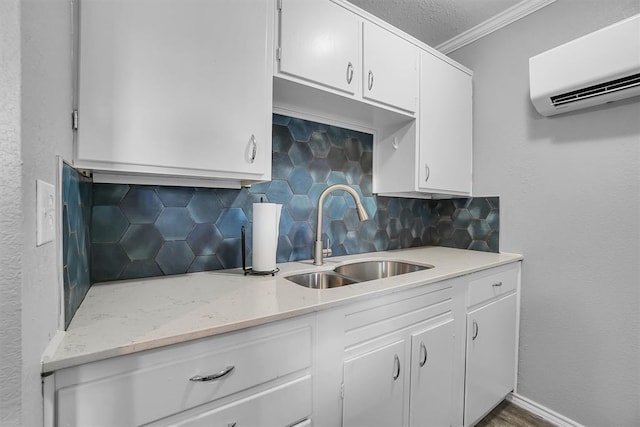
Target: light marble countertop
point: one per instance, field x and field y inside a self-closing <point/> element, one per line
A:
<point x="124" y="317"/>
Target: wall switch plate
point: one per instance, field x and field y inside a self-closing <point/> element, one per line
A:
<point x="45" y="212"/>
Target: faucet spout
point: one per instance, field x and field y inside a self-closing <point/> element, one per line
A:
<point x="362" y="214"/>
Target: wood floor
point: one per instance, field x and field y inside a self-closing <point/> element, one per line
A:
<point x="509" y="415"/>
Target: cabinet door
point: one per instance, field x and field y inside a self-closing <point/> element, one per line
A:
<point x="177" y="85"/>
<point x="490" y="373"/>
<point x="390" y="69"/>
<point x="445" y="128"/>
<point x="319" y="43"/>
<point x="432" y="376"/>
<point x="374" y="388"/>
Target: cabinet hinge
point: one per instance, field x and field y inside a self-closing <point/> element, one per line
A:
<point x="74" y="120"/>
<point x="278" y="53"/>
<point x="342" y="391"/>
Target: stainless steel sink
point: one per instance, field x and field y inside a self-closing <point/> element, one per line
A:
<point x="372" y="270"/>
<point x="321" y="280"/>
<point x="355" y="272"/>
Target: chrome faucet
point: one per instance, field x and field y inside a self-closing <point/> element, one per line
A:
<point x="319" y="250"/>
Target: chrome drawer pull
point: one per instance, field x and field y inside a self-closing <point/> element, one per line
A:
<point x="396" y="367"/>
<point x="216" y="376"/>
<point x="496" y="285"/>
<point x="349" y="72"/>
<point x="476" y="330"/>
<point x="370" y="79"/>
<point x="423" y="350"/>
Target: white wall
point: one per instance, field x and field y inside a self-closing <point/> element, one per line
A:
<point x="10" y="217"/>
<point x="37" y="79"/>
<point x="570" y="202"/>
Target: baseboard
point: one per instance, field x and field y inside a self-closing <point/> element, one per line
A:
<point x="542" y="411"/>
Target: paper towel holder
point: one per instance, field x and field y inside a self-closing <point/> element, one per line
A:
<point x="249" y="270"/>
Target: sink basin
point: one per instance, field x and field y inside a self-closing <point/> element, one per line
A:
<point x="321" y="280"/>
<point x="355" y="272"/>
<point x="378" y="269"/>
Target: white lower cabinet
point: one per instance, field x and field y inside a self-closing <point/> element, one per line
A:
<point x="258" y="373"/>
<point x="491" y="343"/>
<point x="432" y="356"/>
<point x="374" y="385"/>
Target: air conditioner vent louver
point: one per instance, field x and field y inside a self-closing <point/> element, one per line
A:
<point x="627" y="82"/>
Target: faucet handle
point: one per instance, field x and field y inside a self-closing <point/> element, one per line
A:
<point x="327" y="251"/>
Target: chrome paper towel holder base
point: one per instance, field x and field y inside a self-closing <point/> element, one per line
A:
<point x="249" y="270"/>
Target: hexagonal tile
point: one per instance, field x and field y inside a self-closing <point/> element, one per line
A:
<point x="394" y="208"/>
<point x="108" y="224"/>
<point x="353" y="149"/>
<point x="230" y="221"/>
<point x="301" y="235"/>
<point x="205" y="263"/>
<point x="336" y="177"/>
<point x="141" y="241"/>
<point x="381" y="240"/>
<point x="337" y="135"/>
<point x="494" y="202"/>
<point x="461" y="218"/>
<point x="141" y="268"/>
<point x="319" y="170"/>
<point x="493" y="219"/>
<point x="336" y="208"/>
<point x="406" y="218"/>
<point x="283" y="253"/>
<point x="108" y="260"/>
<point x="405" y="239"/>
<point x="281" y="139"/>
<point x="300" y="181"/>
<point x="494" y="241"/>
<point x="382" y="219"/>
<point x="279" y="119"/>
<point x="108" y="194"/>
<point x="299" y="207"/>
<point x="337" y="232"/>
<point x="479" y="245"/>
<point x="445" y="228"/>
<point x="141" y="205"/>
<point x="367" y="230"/>
<point x="286" y="221"/>
<point x="230" y="253"/>
<point x="337" y="158"/>
<point x="175" y="223"/>
<point x="353" y="173"/>
<point x="461" y="203"/>
<point x="227" y="196"/>
<point x="445" y="208"/>
<point x="426" y="236"/>
<point x="320" y="144"/>
<point x="366" y="162"/>
<point x="479" y="207"/>
<point x="351" y="220"/>
<point x="175" y="196"/>
<point x="279" y="192"/>
<point x="352" y="243"/>
<point x="461" y="239"/>
<point x="479" y="229"/>
<point x="175" y="257"/>
<point x="281" y="166"/>
<point x="205" y="239"/>
<point x="204" y="207"/>
<point x="394" y="228"/>
<point x="315" y="191"/>
<point x="300" y="154"/>
<point x="300" y="129"/>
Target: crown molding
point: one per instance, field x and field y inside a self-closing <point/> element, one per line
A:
<point x="501" y="20"/>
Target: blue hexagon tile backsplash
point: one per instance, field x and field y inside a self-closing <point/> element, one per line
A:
<point x="144" y="231"/>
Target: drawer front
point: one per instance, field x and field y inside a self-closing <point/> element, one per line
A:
<point x="153" y="391"/>
<point x="280" y="406"/>
<point x="493" y="285"/>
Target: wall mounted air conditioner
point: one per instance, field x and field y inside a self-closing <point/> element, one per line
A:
<point x="601" y="67"/>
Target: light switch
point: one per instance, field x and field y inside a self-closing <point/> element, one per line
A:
<point x="45" y="212"/>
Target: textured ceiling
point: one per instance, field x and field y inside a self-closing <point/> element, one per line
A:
<point x="434" y="21"/>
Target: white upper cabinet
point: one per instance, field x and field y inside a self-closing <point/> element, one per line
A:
<point x="176" y="88"/>
<point x="390" y="71"/>
<point x="445" y="128"/>
<point x="319" y="43"/>
<point x="326" y="45"/>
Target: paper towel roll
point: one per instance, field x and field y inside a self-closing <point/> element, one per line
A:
<point x="266" y="224"/>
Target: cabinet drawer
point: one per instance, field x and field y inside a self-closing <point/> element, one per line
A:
<point x="493" y="285"/>
<point x="156" y="385"/>
<point x="279" y="406"/>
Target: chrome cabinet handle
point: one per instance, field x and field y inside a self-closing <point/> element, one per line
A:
<point x="370" y="79"/>
<point x="233" y="424"/>
<point x="423" y="351"/>
<point x="226" y="371"/>
<point x="497" y="285"/>
<point x="396" y="367"/>
<point x="427" y="171"/>
<point x="349" y="72"/>
<point x="254" y="148"/>
<point x="476" y="329"/>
